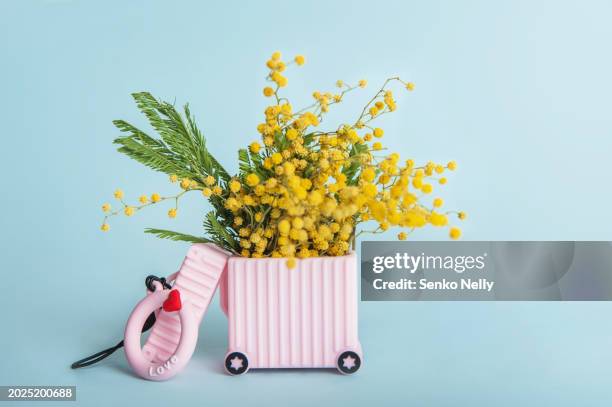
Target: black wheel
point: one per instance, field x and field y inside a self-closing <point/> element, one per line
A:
<point x="348" y="362"/>
<point x="236" y="363"/>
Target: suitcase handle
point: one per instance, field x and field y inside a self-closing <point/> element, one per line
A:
<point x="160" y="370"/>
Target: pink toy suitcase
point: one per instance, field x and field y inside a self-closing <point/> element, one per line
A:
<point x="278" y="318"/>
<point x="281" y="318"/>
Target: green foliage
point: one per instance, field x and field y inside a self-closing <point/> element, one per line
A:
<point x="244" y="160"/>
<point x="219" y="232"/>
<point x="179" y="150"/>
<point x="176" y="236"/>
<point x="280" y="141"/>
<point x="352" y="171"/>
<point x="251" y="163"/>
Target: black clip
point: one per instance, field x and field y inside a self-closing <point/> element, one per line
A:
<point x="150" y="279"/>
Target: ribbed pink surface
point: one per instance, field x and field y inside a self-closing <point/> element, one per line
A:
<point x="302" y="317"/>
<point x="197" y="281"/>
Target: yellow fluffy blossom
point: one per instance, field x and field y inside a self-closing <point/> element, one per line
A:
<point x="128" y="210"/>
<point x="209" y="180"/>
<point x="315" y="198"/>
<point x="143" y="199"/>
<point x="438" y="219"/>
<point x="234" y="185"/>
<point x="291" y="134"/>
<point x="299" y="59"/>
<point x="454" y="233"/>
<point x="106" y="207"/>
<point x="277" y="158"/>
<point x="105" y="227"/>
<point x="118" y="194"/>
<point x="252" y="180"/>
<point x="284" y="226"/>
<point x="155" y="198"/>
<point x="297" y="223"/>
<point x="185" y="183"/>
<point x="172" y="213"/>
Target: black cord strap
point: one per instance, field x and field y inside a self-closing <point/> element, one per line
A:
<point x="103" y="354"/>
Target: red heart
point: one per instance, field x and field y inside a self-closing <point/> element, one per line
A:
<point x="173" y="302"/>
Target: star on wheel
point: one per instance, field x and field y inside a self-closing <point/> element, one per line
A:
<point x="236" y="363"/>
<point x="348" y="362"/>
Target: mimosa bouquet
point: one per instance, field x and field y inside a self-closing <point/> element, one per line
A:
<point x="301" y="191"/>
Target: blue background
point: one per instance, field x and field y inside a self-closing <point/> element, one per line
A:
<point x="517" y="92"/>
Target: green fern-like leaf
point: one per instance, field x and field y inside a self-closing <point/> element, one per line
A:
<point x="147" y="150"/>
<point x="244" y="161"/>
<point x="176" y="236"/>
<point x="181" y="149"/>
<point x="351" y="171"/>
<point x="219" y="233"/>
